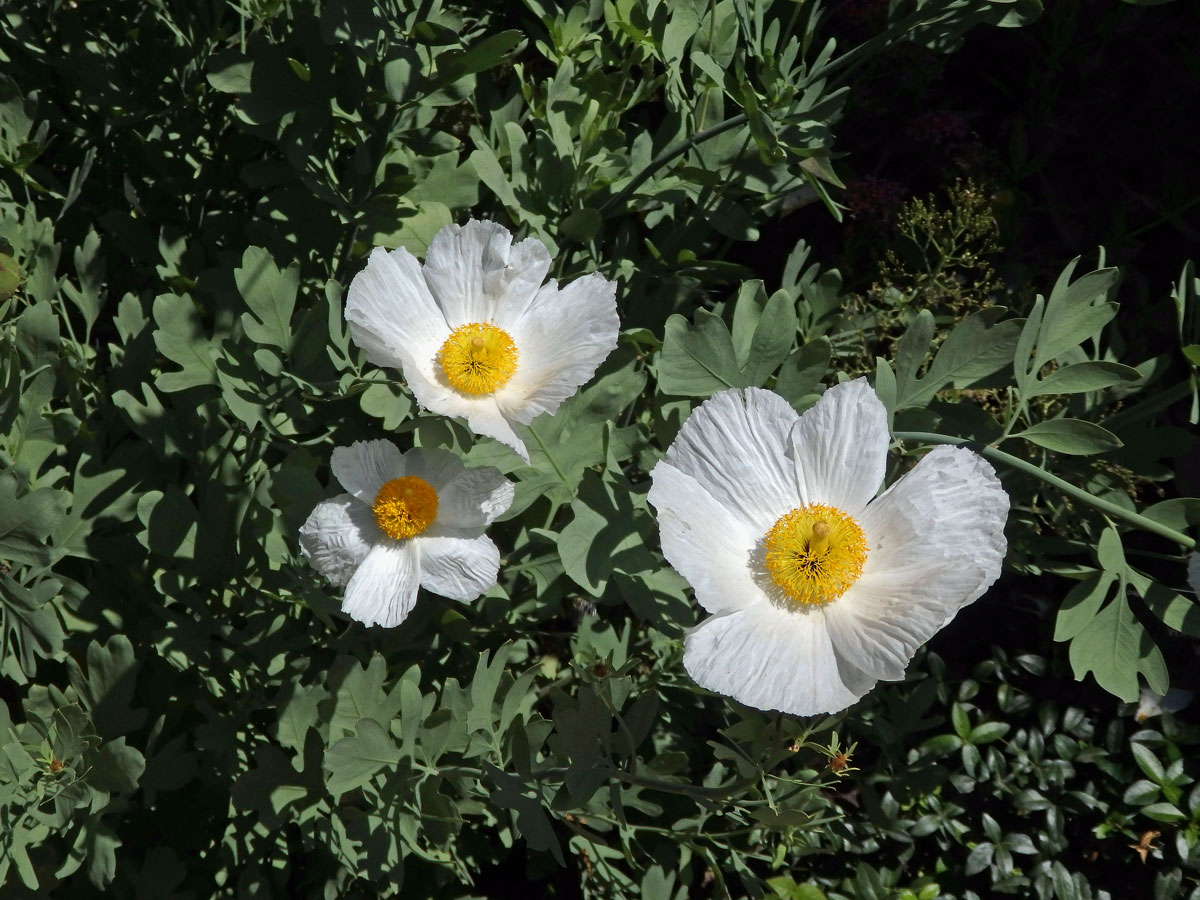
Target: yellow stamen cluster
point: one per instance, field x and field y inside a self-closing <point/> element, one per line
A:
<point x="405" y="507"/>
<point x="815" y="553"/>
<point x="478" y="358"/>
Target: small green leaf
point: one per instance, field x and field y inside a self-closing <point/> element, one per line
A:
<point x="1141" y="792"/>
<point x="485" y="54"/>
<point x="1081" y="604"/>
<point x="180" y="339"/>
<point x="802" y="373"/>
<point x="697" y="360"/>
<point x="26" y="521"/>
<point x="107" y="687"/>
<point x="10" y="276"/>
<point x="531" y="820"/>
<point x="978" y="347"/>
<point x="401" y="73"/>
<point x="603" y="537"/>
<point x="271" y="296"/>
<point x="988" y="732"/>
<point x="1075" y="312"/>
<point x="1115" y="648"/>
<point x="1147" y="761"/>
<point x="230" y="72"/>
<point x="582" y="225"/>
<point x="1173" y="609"/>
<point x="32" y="620"/>
<point x="1110" y="553"/>
<point x="362" y="696"/>
<point x="1180" y="513"/>
<point x="353" y="761"/>
<point x="1082" y="377"/>
<point x="960" y="720"/>
<point x="102" y="844"/>
<point x="774" y="337"/>
<point x="170" y="522"/>
<point x="1163" y="812"/>
<point x="941" y="745"/>
<point x="1072" y="436"/>
<point x="117" y="768"/>
<point x="386" y="402"/>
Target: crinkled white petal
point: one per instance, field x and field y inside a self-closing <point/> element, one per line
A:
<point x="562" y="338"/>
<point x="471" y="502"/>
<point x="337" y="536"/>
<point x="474" y="272"/>
<point x="365" y="466"/>
<point x="391" y="313"/>
<point x="458" y="568"/>
<point x="840" y="447"/>
<point x="770" y="658"/>
<point x="706" y="544"/>
<point x="950" y="508"/>
<point x="935" y="543"/>
<point x="736" y="445"/>
<point x="483" y="415"/>
<point x="384" y="589"/>
<point x="1194" y="572"/>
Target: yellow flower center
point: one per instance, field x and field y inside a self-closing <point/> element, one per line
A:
<point x="478" y="358"/>
<point x="815" y="553"/>
<point x="404" y="507"/>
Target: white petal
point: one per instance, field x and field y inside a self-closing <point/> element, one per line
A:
<point x="384" y="589"/>
<point x="562" y="339"/>
<point x="472" y="501"/>
<point x="706" y="544"/>
<point x="428" y="383"/>
<point x="770" y="658"/>
<point x="482" y="413"/>
<point x="735" y="444"/>
<point x="950" y="508"/>
<point x="840" y="447"/>
<point x="390" y="311"/>
<point x="1194" y="572"/>
<point x="433" y="464"/>
<point x="935" y="543"/>
<point x="364" y="467"/>
<point x="469" y="499"/>
<point x="528" y="263"/>
<point x="337" y="536"/>
<point x="458" y="568"/>
<point x="474" y="271"/>
<point x="487" y="419"/>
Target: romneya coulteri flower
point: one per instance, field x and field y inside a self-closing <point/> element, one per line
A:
<point x="817" y="588"/>
<point x="476" y="332"/>
<point x="407" y="520"/>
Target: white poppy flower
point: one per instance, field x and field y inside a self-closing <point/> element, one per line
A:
<point x="817" y="588"/>
<point x="476" y="332"/>
<point x="410" y="519"/>
<point x="1153" y="704"/>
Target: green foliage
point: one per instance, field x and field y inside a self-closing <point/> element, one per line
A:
<point x="185" y="195"/>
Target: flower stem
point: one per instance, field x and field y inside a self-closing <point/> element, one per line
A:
<point x="1110" y="509"/>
